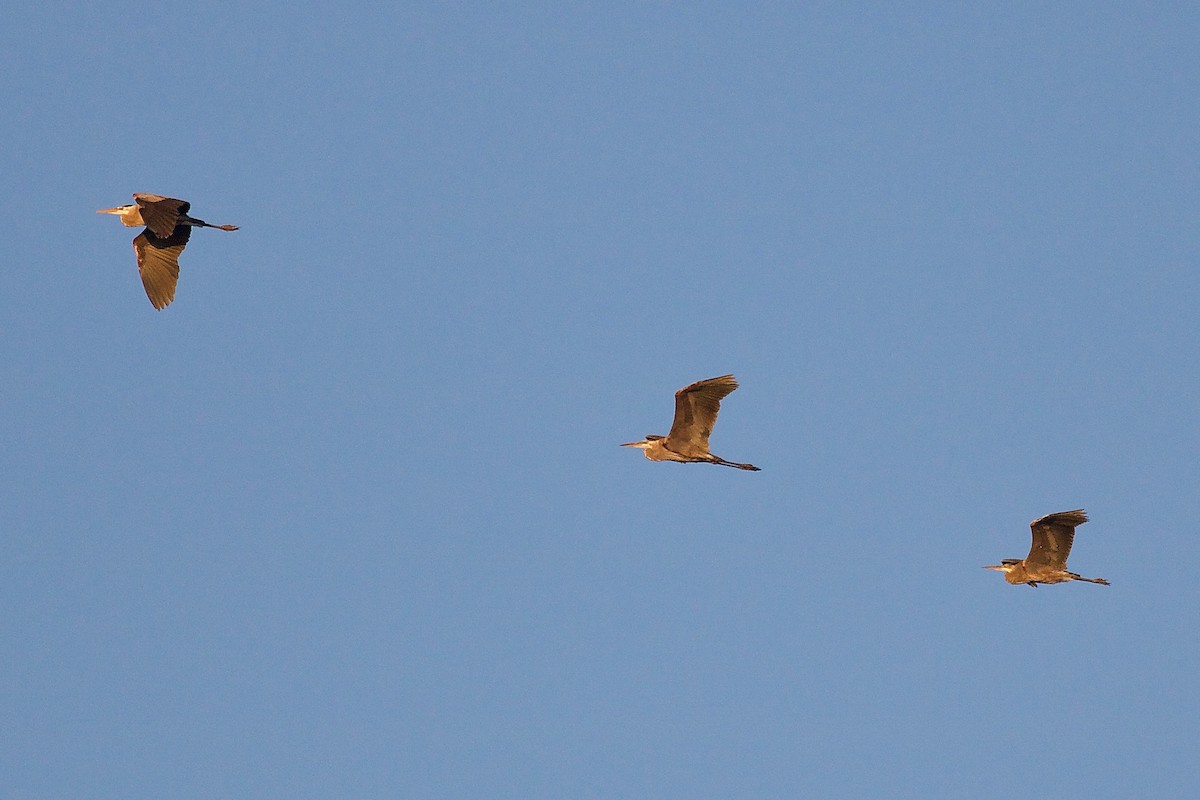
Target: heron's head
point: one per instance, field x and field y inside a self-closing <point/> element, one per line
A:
<point x="649" y="440"/>
<point x="130" y="215"/>
<point x="1005" y="565"/>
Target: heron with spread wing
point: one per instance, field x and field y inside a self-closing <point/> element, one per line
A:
<point x="696" y="408"/>
<point x="1047" y="560"/>
<point x="168" y="227"/>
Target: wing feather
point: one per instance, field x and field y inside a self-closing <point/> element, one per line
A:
<point x="158" y="263"/>
<point x="1053" y="536"/>
<point x="696" y="409"/>
<point x="160" y="214"/>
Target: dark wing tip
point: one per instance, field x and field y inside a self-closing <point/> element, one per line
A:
<point x="1069" y="518"/>
<point x="727" y="383"/>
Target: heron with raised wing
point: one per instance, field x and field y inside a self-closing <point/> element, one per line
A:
<point x="696" y="408"/>
<point x="1047" y="560"/>
<point x="168" y="227"/>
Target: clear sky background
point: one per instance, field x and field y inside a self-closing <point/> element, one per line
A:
<point x="349" y="518"/>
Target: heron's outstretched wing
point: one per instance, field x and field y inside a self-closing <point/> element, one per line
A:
<point x="158" y="263"/>
<point x="696" y="408"/>
<point x="1052" y="537"/>
<point x="160" y="214"/>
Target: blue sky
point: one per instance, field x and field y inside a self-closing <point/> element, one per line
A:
<point x="349" y="518"/>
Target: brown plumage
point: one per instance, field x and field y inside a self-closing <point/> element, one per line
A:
<point x="168" y="228"/>
<point x="1053" y="536"/>
<point x="696" y="409"/>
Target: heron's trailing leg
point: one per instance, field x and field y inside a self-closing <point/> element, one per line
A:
<point x="725" y="463"/>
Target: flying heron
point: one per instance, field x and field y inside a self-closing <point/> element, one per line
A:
<point x="696" y="408"/>
<point x="168" y="227"/>
<point x="1047" y="559"/>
